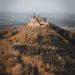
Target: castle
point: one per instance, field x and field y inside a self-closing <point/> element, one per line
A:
<point x="37" y="21"/>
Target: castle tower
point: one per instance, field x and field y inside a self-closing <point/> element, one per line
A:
<point x="34" y="15"/>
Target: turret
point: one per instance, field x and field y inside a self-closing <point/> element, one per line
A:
<point x="34" y="15"/>
<point x="45" y="19"/>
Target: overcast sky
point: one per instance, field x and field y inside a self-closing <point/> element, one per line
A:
<point x="45" y="6"/>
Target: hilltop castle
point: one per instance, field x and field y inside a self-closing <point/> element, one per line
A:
<point x="37" y="21"/>
<point x="33" y="23"/>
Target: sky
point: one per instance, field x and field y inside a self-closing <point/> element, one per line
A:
<point x="38" y="6"/>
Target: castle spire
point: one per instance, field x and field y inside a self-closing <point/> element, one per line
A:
<point x="34" y="15"/>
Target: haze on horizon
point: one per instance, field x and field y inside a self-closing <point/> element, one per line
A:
<point x="38" y="6"/>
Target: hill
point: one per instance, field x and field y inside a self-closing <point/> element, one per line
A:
<point x="38" y="50"/>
